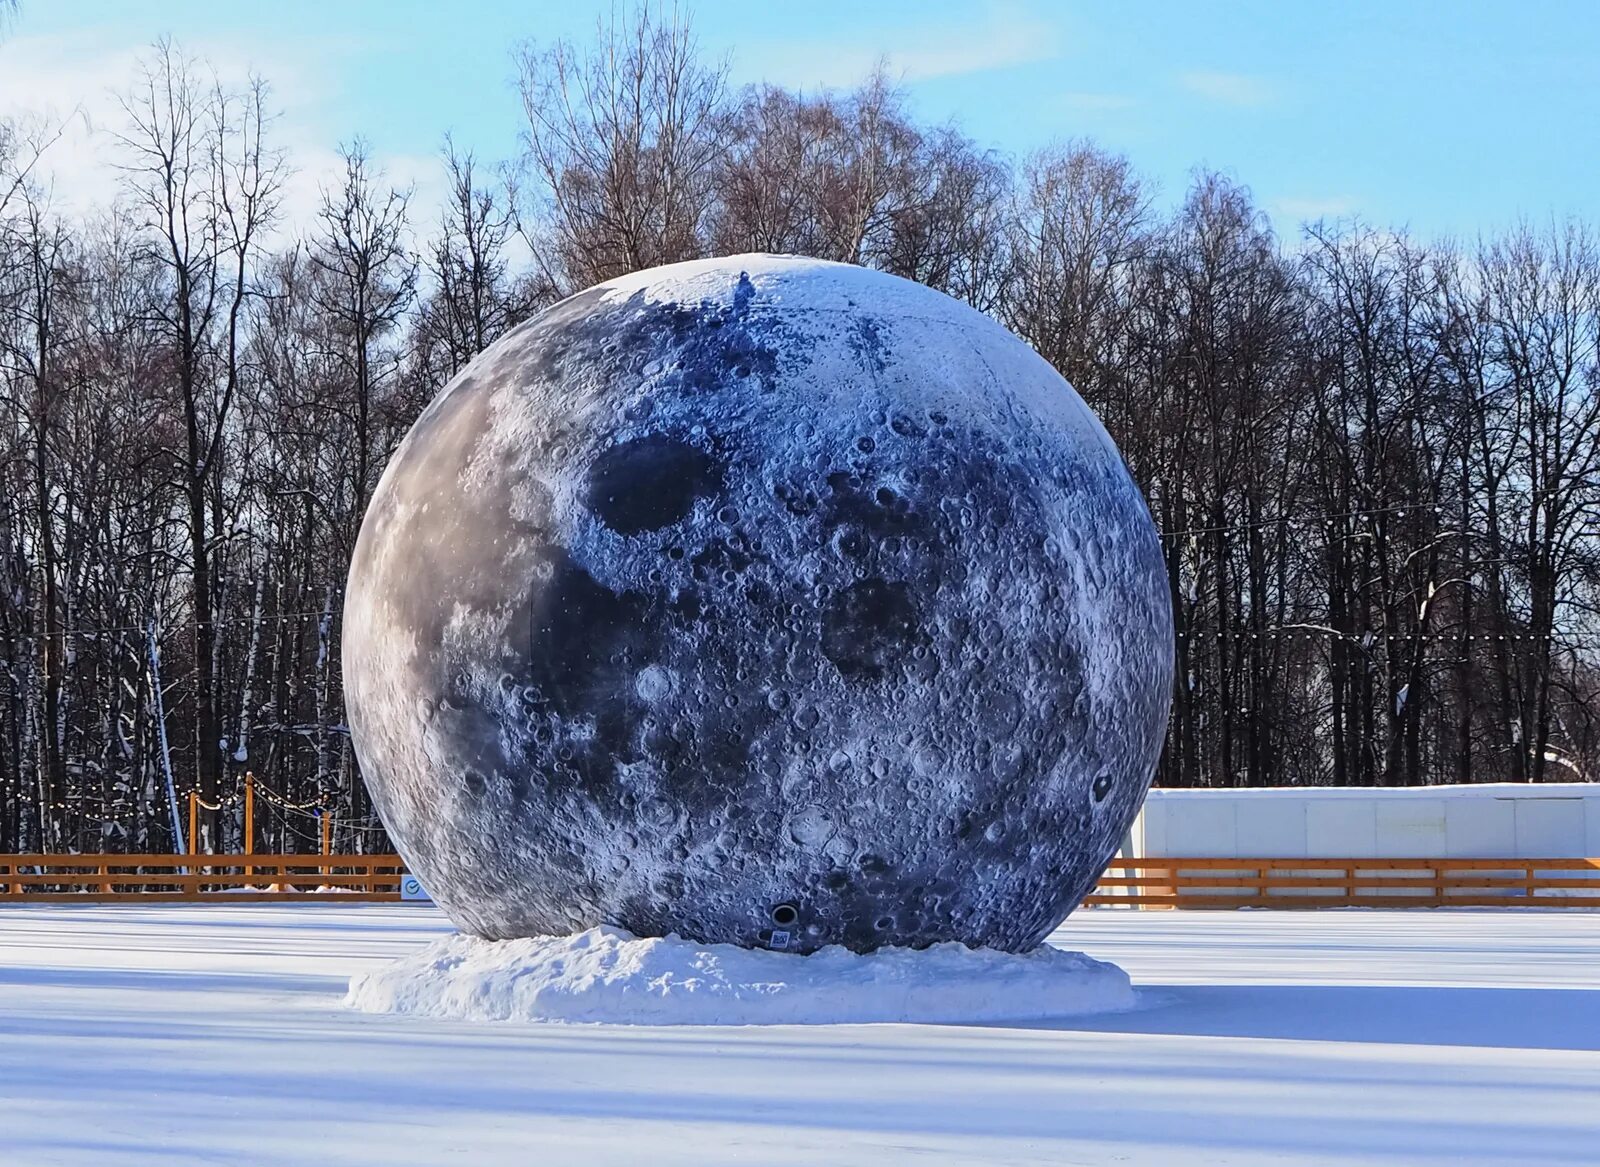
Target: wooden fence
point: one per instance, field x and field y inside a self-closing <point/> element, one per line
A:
<point x="1146" y="883"/>
<point x="180" y="878"/>
<point x="1350" y="883"/>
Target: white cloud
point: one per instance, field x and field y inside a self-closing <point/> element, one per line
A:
<point x="74" y="82"/>
<point x="1239" y="89"/>
<point x="1004" y="36"/>
<point x="64" y="83"/>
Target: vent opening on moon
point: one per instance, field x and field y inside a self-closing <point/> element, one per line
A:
<point x="784" y="915"/>
<point x="1102" y="785"/>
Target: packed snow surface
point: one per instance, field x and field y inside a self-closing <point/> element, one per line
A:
<point x="608" y="975"/>
<point x="170" y="1036"/>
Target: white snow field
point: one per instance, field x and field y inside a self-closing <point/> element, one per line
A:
<point x="217" y="1035"/>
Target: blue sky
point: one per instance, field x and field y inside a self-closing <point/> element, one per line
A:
<point x="1445" y="117"/>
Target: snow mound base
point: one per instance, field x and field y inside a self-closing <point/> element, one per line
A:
<point x="611" y="976"/>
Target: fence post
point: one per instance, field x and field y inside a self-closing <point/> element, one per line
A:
<point x="327" y="837"/>
<point x="1166" y="889"/>
<point x="249" y="818"/>
<point x="194" y="818"/>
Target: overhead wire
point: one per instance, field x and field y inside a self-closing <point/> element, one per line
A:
<point x="172" y="626"/>
<point x="333" y="612"/>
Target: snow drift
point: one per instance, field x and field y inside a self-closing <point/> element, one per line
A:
<point x="608" y="975"/>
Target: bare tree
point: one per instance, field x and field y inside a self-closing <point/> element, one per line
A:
<point x="474" y="296"/>
<point x="371" y="279"/>
<point x="1080" y="227"/>
<point x="32" y="351"/>
<point x="1375" y="462"/>
<point x="621" y="145"/>
<point x="204" y="184"/>
<point x="171" y="150"/>
<point x="1544" y="296"/>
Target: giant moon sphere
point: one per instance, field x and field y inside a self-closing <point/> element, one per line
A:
<point x="765" y="601"/>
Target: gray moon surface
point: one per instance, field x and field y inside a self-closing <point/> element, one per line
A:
<point x="764" y="601"/>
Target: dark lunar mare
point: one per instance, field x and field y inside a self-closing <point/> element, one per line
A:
<point x="812" y="609"/>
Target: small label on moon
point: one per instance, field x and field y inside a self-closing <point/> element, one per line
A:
<point x="779" y="940"/>
<point x="411" y="888"/>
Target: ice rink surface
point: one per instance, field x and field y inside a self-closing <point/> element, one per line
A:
<point x="215" y="1035"/>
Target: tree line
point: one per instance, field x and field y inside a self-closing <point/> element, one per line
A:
<point x="1374" y="459"/>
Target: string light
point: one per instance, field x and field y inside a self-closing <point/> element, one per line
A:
<point x="1369" y="643"/>
<point x="1325" y="520"/>
<point x="169" y="626"/>
<point x="1377" y="637"/>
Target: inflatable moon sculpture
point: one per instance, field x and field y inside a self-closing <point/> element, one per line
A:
<point x="763" y="601"/>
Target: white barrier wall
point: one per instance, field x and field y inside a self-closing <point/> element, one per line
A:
<point x="1495" y="821"/>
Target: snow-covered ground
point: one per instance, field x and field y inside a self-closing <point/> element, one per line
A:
<point x="178" y="1035"/>
<point x="609" y="975"/>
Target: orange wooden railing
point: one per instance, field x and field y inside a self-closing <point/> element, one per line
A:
<point x="1149" y="883"/>
<point x="177" y="878"/>
<point x="1350" y="883"/>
